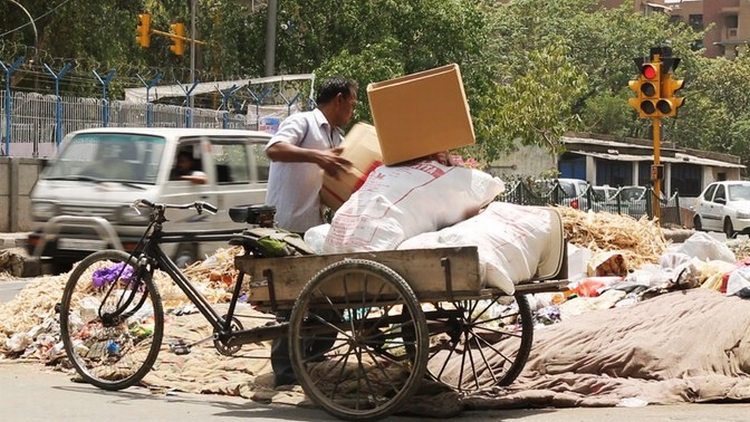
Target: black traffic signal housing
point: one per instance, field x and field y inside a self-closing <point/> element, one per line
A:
<point x="143" y="30"/>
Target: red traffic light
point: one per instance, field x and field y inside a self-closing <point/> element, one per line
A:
<point x="649" y="71"/>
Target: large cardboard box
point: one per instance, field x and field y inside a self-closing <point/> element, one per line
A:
<point x="361" y="147"/>
<point x="421" y="114"/>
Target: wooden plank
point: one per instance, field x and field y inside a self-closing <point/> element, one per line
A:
<point x="421" y="268"/>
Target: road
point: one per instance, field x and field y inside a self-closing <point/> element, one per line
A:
<point x="31" y="392"/>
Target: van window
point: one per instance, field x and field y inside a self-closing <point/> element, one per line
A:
<point x="261" y="161"/>
<point x="109" y="156"/>
<point x="230" y="158"/>
<point x="187" y="161"/>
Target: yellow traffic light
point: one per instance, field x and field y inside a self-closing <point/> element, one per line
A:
<point x="178" y="40"/>
<point x="649" y="89"/>
<point x="669" y="103"/>
<point x="143" y="30"/>
<point x="635" y="85"/>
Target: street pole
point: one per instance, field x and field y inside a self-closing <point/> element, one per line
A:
<point x="655" y="171"/>
<point x="192" y="47"/>
<point x="271" y="38"/>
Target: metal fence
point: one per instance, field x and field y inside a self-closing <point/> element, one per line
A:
<point x="621" y="202"/>
<point x="37" y="124"/>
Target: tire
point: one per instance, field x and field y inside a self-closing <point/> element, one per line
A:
<point x="375" y="335"/>
<point x="116" y="351"/>
<point x="697" y="225"/>
<point x="187" y="253"/>
<point x="729" y="229"/>
<point x="486" y="342"/>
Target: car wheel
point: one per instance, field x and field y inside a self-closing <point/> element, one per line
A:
<point x="697" y="225"/>
<point x="728" y="228"/>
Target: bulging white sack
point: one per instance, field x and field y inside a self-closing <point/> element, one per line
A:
<point x="399" y="202"/>
<point x="512" y="240"/>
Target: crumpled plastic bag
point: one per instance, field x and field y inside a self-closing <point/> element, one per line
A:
<point x="704" y="247"/>
<point x="738" y="280"/>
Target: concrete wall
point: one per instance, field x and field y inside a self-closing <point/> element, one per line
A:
<point x="17" y="177"/>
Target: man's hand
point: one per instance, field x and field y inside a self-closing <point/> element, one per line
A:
<point x="333" y="163"/>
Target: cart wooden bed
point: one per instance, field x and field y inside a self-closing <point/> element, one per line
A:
<point x="366" y="329"/>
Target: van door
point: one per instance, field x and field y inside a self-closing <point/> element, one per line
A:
<point x="191" y="162"/>
<point x="241" y="171"/>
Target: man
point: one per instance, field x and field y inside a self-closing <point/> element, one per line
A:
<point x="304" y="144"/>
<point x="184" y="169"/>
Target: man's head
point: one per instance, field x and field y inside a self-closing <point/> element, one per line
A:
<point x="337" y="98"/>
<point x="185" y="160"/>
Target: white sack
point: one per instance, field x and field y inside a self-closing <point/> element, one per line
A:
<point x="399" y="202"/>
<point x="511" y="239"/>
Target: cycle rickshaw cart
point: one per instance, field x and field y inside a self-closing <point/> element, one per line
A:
<point x="365" y="329"/>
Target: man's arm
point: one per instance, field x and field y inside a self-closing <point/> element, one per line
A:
<point x="329" y="160"/>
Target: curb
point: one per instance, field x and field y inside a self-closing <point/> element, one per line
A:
<point x="13" y="240"/>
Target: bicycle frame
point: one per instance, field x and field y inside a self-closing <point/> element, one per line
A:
<point x="148" y="252"/>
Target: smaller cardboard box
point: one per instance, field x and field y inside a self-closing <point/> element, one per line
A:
<point x="421" y="114"/>
<point x="362" y="148"/>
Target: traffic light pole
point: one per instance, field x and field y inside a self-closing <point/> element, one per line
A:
<point x="655" y="176"/>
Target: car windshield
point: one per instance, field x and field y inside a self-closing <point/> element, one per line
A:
<point x="602" y="193"/>
<point x="103" y="157"/>
<point x="739" y="192"/>
<point x="631" y="193"/>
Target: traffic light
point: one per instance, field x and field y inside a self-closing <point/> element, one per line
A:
<point x="178" y="41"/>
<point x="650" y="89"/>
<point x="668" y="104"/>
<point x="143" y="30"/>
<point x="647" y="88"/>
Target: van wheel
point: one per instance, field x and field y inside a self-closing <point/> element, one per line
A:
<point x="187" y="253"/>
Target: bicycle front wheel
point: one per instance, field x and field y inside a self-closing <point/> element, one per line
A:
<point x="111" y="320"/>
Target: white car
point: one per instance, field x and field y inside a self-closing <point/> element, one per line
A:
<point x="725" y="207"/>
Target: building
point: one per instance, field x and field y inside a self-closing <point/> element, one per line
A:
<point x="616" y="161"/>
<point x="730" y="19"/>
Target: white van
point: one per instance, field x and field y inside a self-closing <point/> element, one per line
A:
<point x="81" y="201"/>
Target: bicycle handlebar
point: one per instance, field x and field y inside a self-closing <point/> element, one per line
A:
<point x="199" y="206"/>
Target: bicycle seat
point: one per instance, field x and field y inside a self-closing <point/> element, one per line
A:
<point x="259" y="214"/>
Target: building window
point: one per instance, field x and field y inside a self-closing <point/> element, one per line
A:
<point x="696" y="22"/>
<point x="614" y="173"/>
<point x="572" y="166"/>
<point x="686" y="178"/>
<point x="731" y="21"/>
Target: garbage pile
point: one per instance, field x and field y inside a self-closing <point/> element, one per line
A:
<point x="615" y="261"/>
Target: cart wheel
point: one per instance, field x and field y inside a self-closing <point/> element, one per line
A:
<point x="484" y="343"/>
<point x="358" y="340"/>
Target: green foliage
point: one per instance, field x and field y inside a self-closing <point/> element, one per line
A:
<point x="532" y="69"/>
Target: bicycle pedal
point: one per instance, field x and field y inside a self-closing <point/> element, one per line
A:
<point x="179" y="348"/>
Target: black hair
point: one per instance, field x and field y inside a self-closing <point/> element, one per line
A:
<point x="185" y="153"/>
<point x="330" y="88"/>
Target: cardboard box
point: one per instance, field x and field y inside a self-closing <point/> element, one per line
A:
<point x="421" y="114"/>
<point x="362" y="148"/>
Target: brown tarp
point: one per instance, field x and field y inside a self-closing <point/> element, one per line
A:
<point x="685" y="346"/>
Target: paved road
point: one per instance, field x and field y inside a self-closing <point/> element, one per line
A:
<point x="30" y="392"/>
